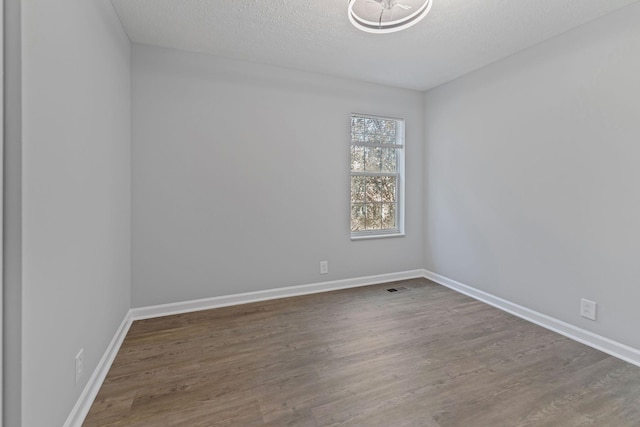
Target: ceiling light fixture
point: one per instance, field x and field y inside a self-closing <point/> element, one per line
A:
<point x="387" y="16"/>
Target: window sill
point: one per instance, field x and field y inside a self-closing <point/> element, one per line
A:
<point x="377" y="236"/>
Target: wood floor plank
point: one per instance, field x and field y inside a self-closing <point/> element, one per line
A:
<point x="425" y="356"/>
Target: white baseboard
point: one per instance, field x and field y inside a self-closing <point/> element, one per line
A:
<point x="606" y="345"/>
<point x="90" y="391"/>
<point x="248" y="297"/>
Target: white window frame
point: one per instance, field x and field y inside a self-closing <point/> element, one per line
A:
<point x="400" y="146"/>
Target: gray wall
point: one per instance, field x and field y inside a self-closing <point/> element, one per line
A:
<point x="241" y="179"/>
<point x="75" y="197"/>
<point x="532" y="172"/>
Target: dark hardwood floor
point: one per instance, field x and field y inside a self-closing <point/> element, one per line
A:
<point x="424" y="356"/>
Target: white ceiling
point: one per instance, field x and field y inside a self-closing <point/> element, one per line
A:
<point x="458" y="36"/>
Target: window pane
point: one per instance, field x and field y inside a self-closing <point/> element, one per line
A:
<point x="358" y="186"/>
<point x="358" y="217"/>
<point x="357" y="159"/>
<point x="372" y="159"/>
<point x="373" y="189"/>
<point x="388" y="131"/>
<point x="388" y="214"/>
<point x="371" y="129"/>
<point x="374" y="218"/>
<point x="357" y="129"/>
<point x="389" y="159"/>
<point x="388" y="186"/>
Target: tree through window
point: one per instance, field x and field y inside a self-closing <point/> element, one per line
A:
<point x="376" y="172"/>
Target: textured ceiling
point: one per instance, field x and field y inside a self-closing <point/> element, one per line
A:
<point x="458" y="36"/>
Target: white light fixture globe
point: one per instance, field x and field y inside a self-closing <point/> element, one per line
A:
<point x="387" y="16"/>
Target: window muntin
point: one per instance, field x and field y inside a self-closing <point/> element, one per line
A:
<point x="376" y="173"/>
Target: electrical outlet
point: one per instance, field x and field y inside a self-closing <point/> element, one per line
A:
<point x="588" y="309"/>
<point x="324" y="267"/>
<point x="79" y="365"/>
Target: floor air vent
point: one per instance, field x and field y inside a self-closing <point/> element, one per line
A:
<point x="398" y="289"/>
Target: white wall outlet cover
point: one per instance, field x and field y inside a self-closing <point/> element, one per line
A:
<point x="79" y="365"/>
<point x="588" y="309"/>
<point x="324" y="267"/>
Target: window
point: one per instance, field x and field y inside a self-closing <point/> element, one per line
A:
<point x="377" y="160"/>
